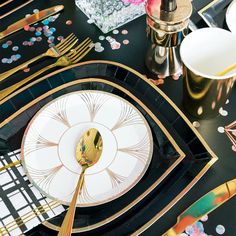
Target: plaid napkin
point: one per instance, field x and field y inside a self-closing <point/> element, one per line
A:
<point x="22" y="206"/>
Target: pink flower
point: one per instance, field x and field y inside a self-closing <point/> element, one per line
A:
<point x="136" y="2"/>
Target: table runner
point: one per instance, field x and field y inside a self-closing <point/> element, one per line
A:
<point x="22" y="206"/>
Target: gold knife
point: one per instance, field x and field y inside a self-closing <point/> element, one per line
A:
<point x="203" y="206"/>
<point x="30" y="20"/>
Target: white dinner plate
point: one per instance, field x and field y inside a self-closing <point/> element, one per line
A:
<point x="231" y="16"/>
<point x="49" y="143"/>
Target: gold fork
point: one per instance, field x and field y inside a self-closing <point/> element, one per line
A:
<point x="70" y="58"/>
<point x="56" y="51"/>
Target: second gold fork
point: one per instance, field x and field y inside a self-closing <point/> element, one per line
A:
<point x="71" y="57"/>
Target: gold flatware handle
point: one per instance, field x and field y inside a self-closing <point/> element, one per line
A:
<point x="10" y="165"/>
<point x="67" y="225"/>
<point x="6" y="74"/>
<point x="226" y="70"/>
<point x="5" y="92"/>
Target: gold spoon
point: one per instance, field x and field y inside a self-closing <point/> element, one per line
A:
<point x="88" y="152"/>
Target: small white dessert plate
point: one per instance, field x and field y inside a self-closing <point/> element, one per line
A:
<point x="49" y="144"/>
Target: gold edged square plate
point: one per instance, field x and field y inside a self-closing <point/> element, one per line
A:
<point x="180" y="155"/>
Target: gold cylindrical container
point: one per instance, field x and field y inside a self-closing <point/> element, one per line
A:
<point x="205" y="54"/>
<point x="203" y="97"/>
<point x="166" y="30"/>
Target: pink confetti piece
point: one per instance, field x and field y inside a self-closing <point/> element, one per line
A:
<point x="27" y="69"/>
<point x="115" y="45"/>
<point x="126" y="41"/>
<point x="124" y="32"/>
<point x="69" y="22"/>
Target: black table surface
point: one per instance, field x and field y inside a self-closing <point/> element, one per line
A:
<point x="133" y="55"/>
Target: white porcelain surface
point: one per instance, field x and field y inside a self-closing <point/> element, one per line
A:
<point x="50" y="140"/>
<point x="208" y="51"/>
<point x="231" y="16"/>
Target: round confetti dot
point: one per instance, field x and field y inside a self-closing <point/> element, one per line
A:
<point x="51" y="19"/>
<point x="227" y="101"/>
<point x="59" y="38"/>
<point x="45" y="27"/>
<point x="51" y="38"/>
<point x="90" y="21"/>
<point x="189" y="230"/>
<point x="4" y="60"/>
<point x="223" y="112"/>
<point x="97" y="45"/>
<point x="15" y="48"/>
<point x="25" y="43"/>
<point x="115" y="31"/>
<point x="220" y="229"/>
<point x="14" y="58"/>
<point x="99" y="49"/>
<point x="200" y="111"/>
<point x="32" y="29"/>
<point x="9" y="43"/>
<point x="4" y="45"/>
<point x="69" y="22"/>
<point x="124" y="32"/>
<point x="26" y="27"/>
<point x="45" y="22"/>
<point x="38" y="33"/>
<point x="101" y="37"/>
<point x="196" y="124"/>
<point x="38" y="39"/>
<point x="108" y="38"/>
<point x="27" y="15"/>
<point x="115" y="45"/>
<point x="18" y="56"/>
<point x="33" y="39"/>
<point x="9" y="61"/>
<point x="234" y="148"/>
<point x="51" y="45"/>
<point x="53" y="29"/>
<point x="126" y="41"/>
<point x="221" y="129"/>
<point x="204" y="218"/>
<point x="30" y="43"/>
<point x="39" y="29"/>
<point x="27" y="69"/>
<point x="35" y="10"/>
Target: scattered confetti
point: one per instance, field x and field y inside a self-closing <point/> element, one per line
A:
<point x="234" y="148"/>
<point x="59" y="38"/>
<point x="15" y="48"/>
<point x="200" y="111"/>
<point x="115" y="31"/>
<point x="196" y="124"/>
<point x="4" y="45"/>
<point x="115" y="45"/>
<point x="220" y="229"/>
<point x="9" y="43"/>
<point x="35" y="10"/>
<point x="204" y="218"/>
<point x="221" y="129"/>
<point x="4" y="60"/>
<point x="126" y="41"/>
<point x="26" y="27"/>
<point x="101" y="37"/>
<point x="90" y="21"/>
<point x="124" y="32"/>
<point x="27" y="69"/>
<point x="69" y="22"/>
<point x="100" y="49"/>
<point x="223" y="112"/>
